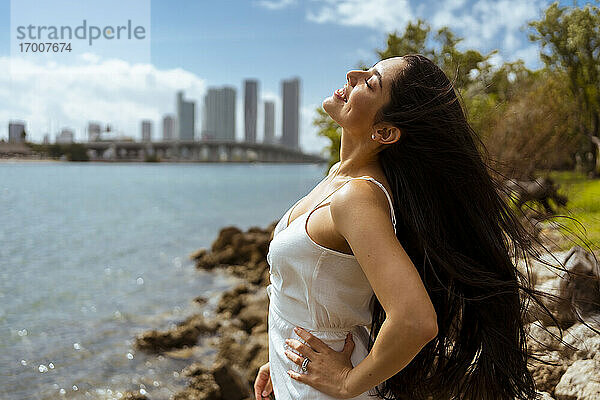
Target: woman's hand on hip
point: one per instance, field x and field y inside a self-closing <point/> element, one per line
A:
<point x="327" y="370"/>
<point x="263" y="385"/>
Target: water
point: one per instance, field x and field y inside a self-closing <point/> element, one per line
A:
<point x="91" y="254"/>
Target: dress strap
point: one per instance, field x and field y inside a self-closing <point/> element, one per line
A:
<point x="372" y="180"/>
<point x="387" y="195"/>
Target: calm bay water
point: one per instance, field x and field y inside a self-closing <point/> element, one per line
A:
<point x="92" y="254"/>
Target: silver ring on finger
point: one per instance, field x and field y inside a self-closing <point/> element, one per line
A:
<point x="305" y="364"/>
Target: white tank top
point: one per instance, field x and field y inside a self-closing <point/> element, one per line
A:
<point x="315" y="287"/>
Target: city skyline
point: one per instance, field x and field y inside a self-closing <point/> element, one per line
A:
<point x="218" y="119"/>
<point x="192" y="49"/>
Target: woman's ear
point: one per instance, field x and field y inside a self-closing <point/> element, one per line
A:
<point x="386" y="133"/>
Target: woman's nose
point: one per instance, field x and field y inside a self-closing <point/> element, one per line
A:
<point x="351" y="77"/>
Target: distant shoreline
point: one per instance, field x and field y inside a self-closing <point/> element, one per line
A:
<point x="30" y="160"/>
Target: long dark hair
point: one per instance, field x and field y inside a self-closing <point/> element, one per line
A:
<point x="465" y="241"/>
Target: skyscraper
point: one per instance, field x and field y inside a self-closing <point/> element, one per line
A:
<point x="290" y="113"/>
<point x="269" y="134"/>
<point x="229" y="113"/>
<point x="250" y="104"/>
<point x="66" y="136"/>
<point x="219" y="114"/>
<point x="185" y="118"/>
<point x="146" y="130"/>
<point x="93" y="131"/>
<point x="16" y="132"/>
<point x="209" y="119"/>
<point x="168" y="128"/>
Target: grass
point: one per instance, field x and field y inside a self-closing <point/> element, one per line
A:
<point x="583" y="205"/>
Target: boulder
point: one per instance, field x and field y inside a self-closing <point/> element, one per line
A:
<point x="547" y="372"/>
<point x="544" y="396"/>
<point x="581" y="381"/>
<point x="133" y="396"/>
<point x="185" y="333"/>
<point x="585" y="341"/>
<point x="576" y="289"/>
<point x="202" y="385"/>
<point x="542" y="339"/>
<point x="232" y="383"/>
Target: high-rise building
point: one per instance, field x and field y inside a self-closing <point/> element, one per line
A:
<point x="250" y="104"/>
<point x="229" y="113"/>
<point x="185" y="118"/>
<point x="168" y="128"/>
<point x="16" y="132"/>
<point x="146" y="130"/>
<point x="219" y="114"/>
<point x="66" y="136"/>
<point x="269" y="134"/>
<point x="290" y="113"/>
<point x="46" y="139"/>
<point x="93" y="131"/>
<point x="209" y="119"/>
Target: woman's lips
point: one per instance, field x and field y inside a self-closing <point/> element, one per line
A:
<point x="341" y="94"/>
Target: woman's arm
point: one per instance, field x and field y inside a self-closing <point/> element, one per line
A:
<point x="361" y="214"/>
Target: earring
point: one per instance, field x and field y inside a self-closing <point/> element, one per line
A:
<point x="373" y="136"/>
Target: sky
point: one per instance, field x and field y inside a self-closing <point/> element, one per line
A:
<point x="194" y="45"/>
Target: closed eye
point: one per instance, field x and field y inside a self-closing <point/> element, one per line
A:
<point x="369" y="86"/>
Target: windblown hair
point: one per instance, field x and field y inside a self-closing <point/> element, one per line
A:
<point x="465" y="241"/>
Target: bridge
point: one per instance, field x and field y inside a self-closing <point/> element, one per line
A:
<point x="199" y="151"/>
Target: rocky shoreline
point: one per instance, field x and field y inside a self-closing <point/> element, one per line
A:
<point x="238" y="330"/>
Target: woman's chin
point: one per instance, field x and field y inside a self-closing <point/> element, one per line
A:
<point x="331" y="108"/>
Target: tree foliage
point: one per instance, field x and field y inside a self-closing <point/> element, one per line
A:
<point x="570" y="40"/>
<point x="547" y="118"/>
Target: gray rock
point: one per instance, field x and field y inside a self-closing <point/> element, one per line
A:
<point x="547" y="376"/>
<point x="581" y="381"/>
<point x="577" y="286"/>
<point x="232" y="383"/>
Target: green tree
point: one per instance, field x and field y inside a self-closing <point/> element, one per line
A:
<point x="331" y="130"/>
<point x="570" y="43"/>
<point x="441" y="49"/>
<point x="416" y="38"/>
<point x="75" y="152"/>
<point x="413" y="40"/>
<point x="55" y="150"/>
<point x="459" y="66"/>
<point x="534" y="129"/>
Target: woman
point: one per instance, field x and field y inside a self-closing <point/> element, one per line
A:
<point x="404" y="286"/>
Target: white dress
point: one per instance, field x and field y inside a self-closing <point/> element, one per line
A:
<point x="319" y="289"/>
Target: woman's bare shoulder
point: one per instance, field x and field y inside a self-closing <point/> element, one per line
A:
<point x="334" y="167"/>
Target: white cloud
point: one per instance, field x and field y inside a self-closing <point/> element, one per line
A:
<point x="52" y="96"/>
<point x="377" y="14"/>
<point x="275" y="4"/>
<point x="482" y="23"/>
<point x="530" y="55"/>
<point x="444" y="14"/>
<point x="496" y="60"/>
<point x="487" y="20"/>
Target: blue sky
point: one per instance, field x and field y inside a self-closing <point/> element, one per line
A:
<point x="198" y="44"/>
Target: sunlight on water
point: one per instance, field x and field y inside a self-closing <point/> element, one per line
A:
<point x="94" y="254"/>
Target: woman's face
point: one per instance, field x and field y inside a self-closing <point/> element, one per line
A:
<point x="355" y="106"/>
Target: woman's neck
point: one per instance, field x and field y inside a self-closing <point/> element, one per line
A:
<point x="357" y="156"/>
